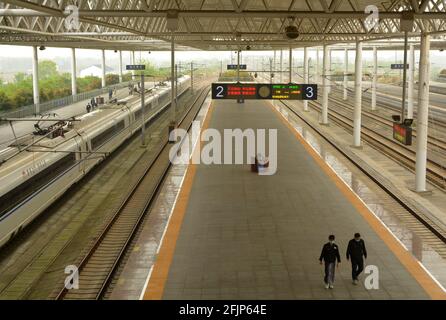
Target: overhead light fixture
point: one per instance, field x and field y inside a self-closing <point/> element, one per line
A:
<point x="42" y="48"/>
<point x="291" y="32"/>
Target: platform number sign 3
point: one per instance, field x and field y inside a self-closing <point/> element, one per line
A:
<point x="309" y="92"/>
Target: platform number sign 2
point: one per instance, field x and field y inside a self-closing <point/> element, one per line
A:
<point x="219" y="92"/>
<point x="309" y="92"/>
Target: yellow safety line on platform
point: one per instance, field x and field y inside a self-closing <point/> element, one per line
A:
<point x="411" y="264"/>
<point x="160" y="271"/>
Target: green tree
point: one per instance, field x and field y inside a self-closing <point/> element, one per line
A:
<point x="20" y="76"/>
<point x="111" y="78"/>
<point x="47" y="69"/>
<point x="5" y="102"/>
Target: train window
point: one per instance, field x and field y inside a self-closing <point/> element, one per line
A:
<point x="21" y="192"/>
<point x="106" y="135"/>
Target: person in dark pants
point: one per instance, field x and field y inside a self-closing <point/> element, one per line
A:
<point x="356" y="251"/>
<point x="330" y="253"/>
<point x="88" y="108"/>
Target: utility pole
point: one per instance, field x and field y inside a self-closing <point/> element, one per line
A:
<point x="403" y="100"/>
<point x="238" y="65"/>
<point x="271" y="69"/>
<point x="192" y="77"/>
<point x="143" y="112"/>
<point x="176" y="84"/>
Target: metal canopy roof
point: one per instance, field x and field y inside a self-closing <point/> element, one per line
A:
<point x="213" y="24"/>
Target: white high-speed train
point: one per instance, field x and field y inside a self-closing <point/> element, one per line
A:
<point x="32" y="180"/>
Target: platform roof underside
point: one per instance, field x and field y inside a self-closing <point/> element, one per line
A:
<point x="215" y="24"/>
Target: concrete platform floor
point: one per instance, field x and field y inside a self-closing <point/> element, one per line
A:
<point x="245" y="236"/>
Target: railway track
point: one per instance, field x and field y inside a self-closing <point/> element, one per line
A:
<point x="367" y="97"/>
<point x="436" y="173"/>
<point x="433" y="141"/>
<point x="427" y="229"/>
<point x="100" y="262"/>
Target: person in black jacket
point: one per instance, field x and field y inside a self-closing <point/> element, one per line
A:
<point x="330" y="253"/>
<point x="356" y="251"/>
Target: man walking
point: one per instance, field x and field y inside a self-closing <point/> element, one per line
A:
<point x="356" y="251"/>
<point x="330" y="253"/>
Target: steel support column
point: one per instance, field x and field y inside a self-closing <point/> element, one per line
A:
<point x="238" y="65"/>
<point x="305" y="74"/>
<point x="358" y="96"/>
<point x="103" y="68"/>
<point x="133" y="61"/>
<point x="172" y="76"/>
<point x="73" y="72"/>
<point x="290" y="58"/>
<point x="345" y="85"/>
<point x="411" y="82"/>
<point x="422" y="114"/>
<point x="281" y="65"/>
<point x="120" y="66"/>
<point x="374" y="77"/>
<point x="316" y="68"/>
<point x="325" y="85"/>
<point x="36" y="96"/>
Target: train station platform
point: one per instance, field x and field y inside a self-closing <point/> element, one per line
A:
<point x="234" y="234"/>
<point x="75" y="109"/>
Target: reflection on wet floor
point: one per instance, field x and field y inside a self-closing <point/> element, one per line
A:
<point x="425" y="254"/>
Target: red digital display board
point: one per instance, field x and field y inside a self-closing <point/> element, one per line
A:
<point x="244" y="91"/>
<point x="402" y="133"/>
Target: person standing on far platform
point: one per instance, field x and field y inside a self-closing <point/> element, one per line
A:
<point x="330" y="254"/>
<point x="356" y="251"/>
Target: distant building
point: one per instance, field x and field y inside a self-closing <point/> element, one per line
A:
<point x="94" y="70"/>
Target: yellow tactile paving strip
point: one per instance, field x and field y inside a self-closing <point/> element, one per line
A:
<point x="160" y="271"/>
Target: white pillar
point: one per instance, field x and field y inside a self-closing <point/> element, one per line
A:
<point x="325" y="86"/>
<point x="103" y="68"/>
<point x="133" y="60"/>
<point x="281" y="65"/>
<point x="238" y="65"/>
<point x="316" y="68"/>
<point x="358" y="96"/>
<point x="274" y="62"/>
<point x="422" y="114"/>
<point x="172" y="80"/>
<point x="73" y="72"/>
<point x="329" y="71"/>
<point x="305" y="74"/>
<point x="345" y="74"/>
<point x="36" y="79"/>
<point x="411" y="82"/>
<point x="120" y="66"/>
<point x="291" y="64"/>
<point x="374" y="77"/>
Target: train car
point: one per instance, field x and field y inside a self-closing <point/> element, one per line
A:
<point x="31" y="180"/>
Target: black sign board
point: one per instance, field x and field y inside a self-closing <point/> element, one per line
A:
<point x="135" y="67"/>
<point x="268" y="91"/>
<point x="234" y="67"/>
<point x="402" y="133"/>
<point x="398" y="66"/>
